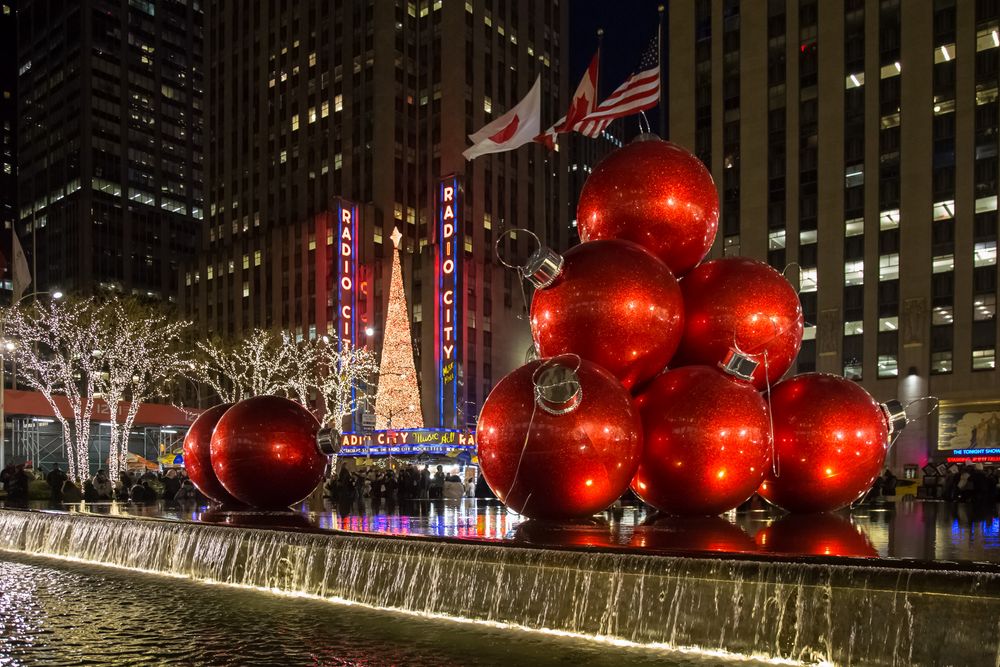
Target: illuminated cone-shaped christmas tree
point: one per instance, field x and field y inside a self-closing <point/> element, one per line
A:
<point x="397" y="403"/>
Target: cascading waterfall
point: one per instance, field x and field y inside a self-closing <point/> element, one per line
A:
<point x="805" y="612"/>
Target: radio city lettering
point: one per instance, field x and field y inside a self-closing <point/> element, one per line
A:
<point x="457" y="439"/>
<point x="347" y="269"/>
<point x="448" y="269"/>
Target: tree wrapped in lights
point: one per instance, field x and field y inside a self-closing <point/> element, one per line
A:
<point x="54" y="348"/>
<point x="325" y="376"/>
<point x="397" y="402"/>
<point x="259" y="365"/>
<point x="141" y="352"/>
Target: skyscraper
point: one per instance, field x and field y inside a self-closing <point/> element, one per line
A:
<point x="857" y="142"/>
<point x="110" y="142"/>
<point x="371" y="102"/>
<point x="8" y="120"/>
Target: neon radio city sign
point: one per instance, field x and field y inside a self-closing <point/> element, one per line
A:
<point x="347" y="269"/>
<point x="448" y="344"/>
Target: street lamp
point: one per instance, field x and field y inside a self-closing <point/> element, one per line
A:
<point x="9" y="346"/>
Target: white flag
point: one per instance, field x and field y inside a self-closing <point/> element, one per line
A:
<point x="21" y="275"/>
<point x="515" y="128"/>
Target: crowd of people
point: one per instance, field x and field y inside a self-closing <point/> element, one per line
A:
<point x="972" y="483"/>
<point x="409" y="482"/>
<point x="147" y="487"/>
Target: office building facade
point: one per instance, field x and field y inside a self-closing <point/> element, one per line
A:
<point x="316" y="109"/>
<point x="855" y="142"/>
<point x="109" y="147"/>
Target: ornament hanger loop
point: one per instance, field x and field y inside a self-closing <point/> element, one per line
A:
<point x="933" y="404"/>
<point x="520" y="268"/>
<point x="784" y="274"/>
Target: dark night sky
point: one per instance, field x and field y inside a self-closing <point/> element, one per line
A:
<point x="628" y="27"/>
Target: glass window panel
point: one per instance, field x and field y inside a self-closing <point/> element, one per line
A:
<point x="985" y="253"/>
<point x="941" y="363"/>
<point x="854" y="327"/>
<point x="943" y="263"/>
<point x="984" y="360"/>
<point x="888" y="266"/>
<point x="887" y="366"/>
<point x="807" y="280"/>
<point x="984" y="307"/>
<point x="854" y="227"/>
<point x="889" y="219"/>
<point x="888" y="323"/>
<point x="854" y="272"/>
<point x="942" y="315"/>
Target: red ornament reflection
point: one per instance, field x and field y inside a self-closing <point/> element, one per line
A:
<point x="264" y="452"/>
<point x="548" y="466"/>
<point x="614" y="304"/>
<point x="830" y="438"/>
<point x="708" y="442"/>
<point x="656" y="194"/>
<point x="742" y="302"/>
<point x="198" y="455"/>
<point x="815" y="535"/>
<point x="548" y="534"/>
<point x="701" y="533"/>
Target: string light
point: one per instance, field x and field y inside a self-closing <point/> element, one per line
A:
<point x="397" y="402"/>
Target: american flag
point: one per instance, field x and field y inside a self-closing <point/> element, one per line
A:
<point x="639" y="92"/>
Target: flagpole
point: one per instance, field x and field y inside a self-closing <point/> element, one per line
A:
<point x="600" y="63"/>
<point x="659" y="47"/>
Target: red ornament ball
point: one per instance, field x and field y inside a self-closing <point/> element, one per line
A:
<point x="614" y="304"/>
<point x="198" y="459"/>
<point x="708" y="442"/>
<point x="559" y="466"/>
<point x="657" y="194"/>
<point x="265" y="454"/>
<point x="815" y="535"/>
<point x="737" y="301"/>
<point x="830" y="439"/>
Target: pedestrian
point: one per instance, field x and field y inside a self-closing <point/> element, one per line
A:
<point x="425" y="483"/>
<point x="103" y="489"/>
<point x="70" y="492"/>
<point x="17" y="486"/>
<point x="437" y="483"/>
<point x="171" y="485"/>
<point x="56" y="478"/>
<point x="7" y="475"/>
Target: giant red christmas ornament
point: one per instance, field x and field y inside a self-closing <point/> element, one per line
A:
<point x="742" y="302"/>
<point x="830" y="440"/>
<point x="708" y="441"/>
<point x="815" y="535"/>
<point x="612" y="303"/>
<point x="657" y="194"/>
<point x="197" y="455"/>
<point x="265" y="454"/>
<point x="559" y="439"/>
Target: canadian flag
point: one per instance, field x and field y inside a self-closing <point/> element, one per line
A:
<point x="515" y="128"/>
<point x="583" y="104"/>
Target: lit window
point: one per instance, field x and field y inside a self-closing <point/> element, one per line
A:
<point x="888" y="266"/>
<point x="986" y="204"/>
<point x="986" y="95"/>
<point x="283" y="157"/>
<point x="468" y="7"/>
<point x="943" y="210"/>
<point x="246" y="261"/>
<point x="888" y="324"/>
<point x="855" y="80"/>
<point x="809" y="332"/>
<point x="487" y="221"/>
<point x="942" y="315"/>
<point x="890" y="70"/>
<point x="246" y="288"/>
<point x="943" y="107"/>
<point x="487" y="105"/>
<point x="397" y="211"/>
<point x="985" y="253"/>
<point x="889" y="120"/>
<point x="312" y="114"/>
<point x="888" y="219"/>
<point x="325" y="110"/>
<point x="807" y="236"/>
<point x="731" y="246"/>
<point x="338" y="103"/>
<point x="852" y="369"/>
<point x="984" y="307"/>
<point x="984" y="360"/>
<point x="776" y="240"/>
<point x="940" y="363"/>
<point x="232" y="266"/>
<point x="210" y="272"/>
<point x="312" y="59"/>
<point x="854" y="272"/>
<point x="944" y="53"/>
<point x="854" y="175"/>
<point x="338" y="160"/>
<point x="987" y="38"/>
<point x="854" y="328"/>
<point x="807" y="280"/>
<point x="854" y="227"/>
<point x="943" y="263"/>
<point x="887" y="366"/>
<point x="411" y="215"/>
<point x="295" y="122"/>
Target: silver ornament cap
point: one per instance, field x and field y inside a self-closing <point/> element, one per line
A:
<point x="543" y="267"/>
<point x="557" y="388"/>
<point x="739" y="364"/>
<point x="895" y="415"/>
<point x="328" y="442"/>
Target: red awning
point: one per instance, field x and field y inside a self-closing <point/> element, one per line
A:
<point x="33" y="404"/>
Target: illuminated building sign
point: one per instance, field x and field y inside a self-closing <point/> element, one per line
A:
<point x="983" y="451"/>
<point x="448" y="299"/>
<point x="346" y="253"/>
<point x="406" y="442"/>
<point x="977" y="458"/>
